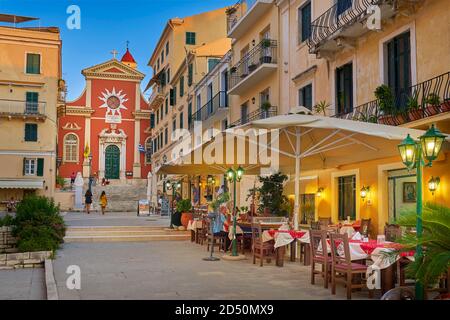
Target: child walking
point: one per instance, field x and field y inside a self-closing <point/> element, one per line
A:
<point x="103" y="201"/>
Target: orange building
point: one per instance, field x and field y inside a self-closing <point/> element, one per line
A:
<point x="104" y="131"/>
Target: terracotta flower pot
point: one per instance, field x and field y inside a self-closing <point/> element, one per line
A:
<point x="185" y="218"/>
<point x="415" y="115"/>
<point x="445" y="106"/>
<point x="432" y="110"/>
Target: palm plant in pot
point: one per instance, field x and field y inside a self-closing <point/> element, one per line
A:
<point x="321" y="107"/>
<point x="434" y="264"/>
<point x="414" y="112"/>
<point x="385" y="98"/>
<point x="184" y="206"/>
<point x="433" y="104"/>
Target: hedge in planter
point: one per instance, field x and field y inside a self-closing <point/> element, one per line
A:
<point x="38" y="225"/>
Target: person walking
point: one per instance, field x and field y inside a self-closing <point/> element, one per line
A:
<point x="103" y="201"/>
<point x="72" y="178"/>
<point x="88" y="200"/>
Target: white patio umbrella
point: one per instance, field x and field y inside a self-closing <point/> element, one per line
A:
<point x="299" y="142"/>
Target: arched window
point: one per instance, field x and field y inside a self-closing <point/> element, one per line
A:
<point x="71" y="148"/>
<point x="148" y="151"/>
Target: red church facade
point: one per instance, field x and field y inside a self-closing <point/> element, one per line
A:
<point x="110" y="122"/>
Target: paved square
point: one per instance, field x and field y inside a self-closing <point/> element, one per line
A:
<point x="175" y="270"/>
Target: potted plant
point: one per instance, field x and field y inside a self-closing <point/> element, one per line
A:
<point x="321" y="107"/>
<point x="233" y="69"/>
<point x="434" y="103"/>
<point x="265" y="54"/>
<point x="60" y="182"/>
<point x="414" y="112"/>
<point x="265" y="107"/>
<point x="252" y="66"/>
<point x="385" y="99"/>
<point x="184" y="206"/>
<point x="445" y="106"/>
<point x="230" y="10"/>
<point x="435" y="261"/>
<point x="271" y="198"/>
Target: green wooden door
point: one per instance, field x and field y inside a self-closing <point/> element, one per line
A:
<point x="112" y="162"/>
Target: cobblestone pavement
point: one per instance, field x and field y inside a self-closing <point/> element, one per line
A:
<point x="175" y="270"/>
<point x="74" y="219"/>
<point x="22" y="284"/>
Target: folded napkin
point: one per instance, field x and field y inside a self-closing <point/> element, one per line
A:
<point x="357" y="236"/>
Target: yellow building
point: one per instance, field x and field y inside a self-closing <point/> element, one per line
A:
<point x="186" y="51"/>
<point x="31" y="92"/>
<point x="335" y="52"/>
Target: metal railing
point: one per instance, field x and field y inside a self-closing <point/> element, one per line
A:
<point x="17" y="107"/>
<point x="422" y="100"/>
<point x="343" y="13"/>
<point x="237" y="11"/>
<point x="263" y="52"/>
<point x="255" y="115"/>
<point x="220" y="100"/>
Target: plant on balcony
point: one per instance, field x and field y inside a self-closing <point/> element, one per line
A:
<point x="413" y="107"/>
<point x="433" y="104"/>
<point x="265" y="43"/>
<point x="265" y="53"/>
<point x="230" y="10"/>
<point x="386" y="103"/>
<point x="266" y="105"/>
<point x="233" y="69"/>
<point x="321" y="107"/>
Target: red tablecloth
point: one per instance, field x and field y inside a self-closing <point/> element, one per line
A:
<point x="371" y="245"/>
<point x="294" y="234"/>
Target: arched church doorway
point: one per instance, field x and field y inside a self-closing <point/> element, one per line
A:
<point x="112" y="162"/>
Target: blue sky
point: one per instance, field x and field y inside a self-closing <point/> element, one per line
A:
<point x="107" y="25"/>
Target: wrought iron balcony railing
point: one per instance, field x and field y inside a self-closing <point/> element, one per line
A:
<point x="422" y="100"/>
<point x="264" y="52"/>
<point x="340" y="15"/>
<point x="21" y="108"/>
<point x="220" y="100"/>
<point x="237" y="11"/>
<point x="255" y="115"/>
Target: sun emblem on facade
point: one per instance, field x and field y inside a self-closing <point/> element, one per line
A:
<point x="113" y="101"/>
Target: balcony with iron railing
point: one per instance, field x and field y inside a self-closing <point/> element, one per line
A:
<point x="423" y="100"/>
<point x="258" y="114"/>
<point x="211" y="108"/>
<point x="257" y="64"/>
<point x="22" y="109"/>
<point x="343" y="22"/>
<point x="244" y="14"/>
<point x="157" y="97"/>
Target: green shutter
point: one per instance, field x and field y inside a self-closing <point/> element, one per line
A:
<point x="40" y="167"/>
<point x="181" y="86"/>
<point x="171" y="97"/>
<point x="30" y="132"/>
<point x="23" y="166"/>
<point x="190" y="74"/>
<point x="152" y="121"/>
<point x="33" y="63"/>
<point x="174" y="95"/>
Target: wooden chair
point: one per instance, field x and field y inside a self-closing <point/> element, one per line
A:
<point x="213" y="241"/>
<point x="365" y="227"/>
<point x="319" y="255"/>
<point x="392" y="232"/>
<point x="315" y="225"/>
<point x="342" y="268"/>
<point x="261" y="249"/>
<point x="202" y="234"/>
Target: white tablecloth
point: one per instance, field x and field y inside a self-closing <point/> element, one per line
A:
<point x="194" y="224"/>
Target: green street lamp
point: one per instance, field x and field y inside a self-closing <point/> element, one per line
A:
<point x="174" y="186"/>
<point x="412" y="153"/>
<point x="234" y="176"/>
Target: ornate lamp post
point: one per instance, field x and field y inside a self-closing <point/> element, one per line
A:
<point x="234" y="176"/>
<point x="413" y="154"/>
<point x="174" y="186"/>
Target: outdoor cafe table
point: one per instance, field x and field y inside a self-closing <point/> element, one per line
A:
<point x="194" y="226"/>
<point x="282" y="239"/>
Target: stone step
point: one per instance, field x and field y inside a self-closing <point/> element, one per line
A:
<point x="129" y="238"/>
<point x="115" y="228"/>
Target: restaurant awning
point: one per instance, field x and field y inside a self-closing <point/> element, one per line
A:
<point x="21" y="184"/>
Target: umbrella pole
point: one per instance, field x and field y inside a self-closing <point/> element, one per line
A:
<point x="297" y="179"/>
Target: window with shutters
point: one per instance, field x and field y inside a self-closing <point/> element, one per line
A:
<point x="181" y="120"/>
<point x="148" y="150"/>
<point x="31" y="104"/>
<point x="71" y="147"/>
<point x="166" y="135"/>
<point x="304" y="22"/>
<point x="33" y="63"/>
<point x="174" y="126"/>
<point x="181" y="86"/>
<point x="167" y="106"/>
<point x="167" y="48"/>
<point x="162" y="56"/>
<point x="30" y="167"/>
<point x="344" y="89"/>
<point x="190" y="115"/>
<point x="168" y="75"/>
<point x="190" y="74"/>
<point x="212" y="62"/>
<point x="190" y="38"/>
<point x="31" y="134"/>
<point x="305" y="96"/>
<point x="152" y="121"/>
<point x="173" y="96"/>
